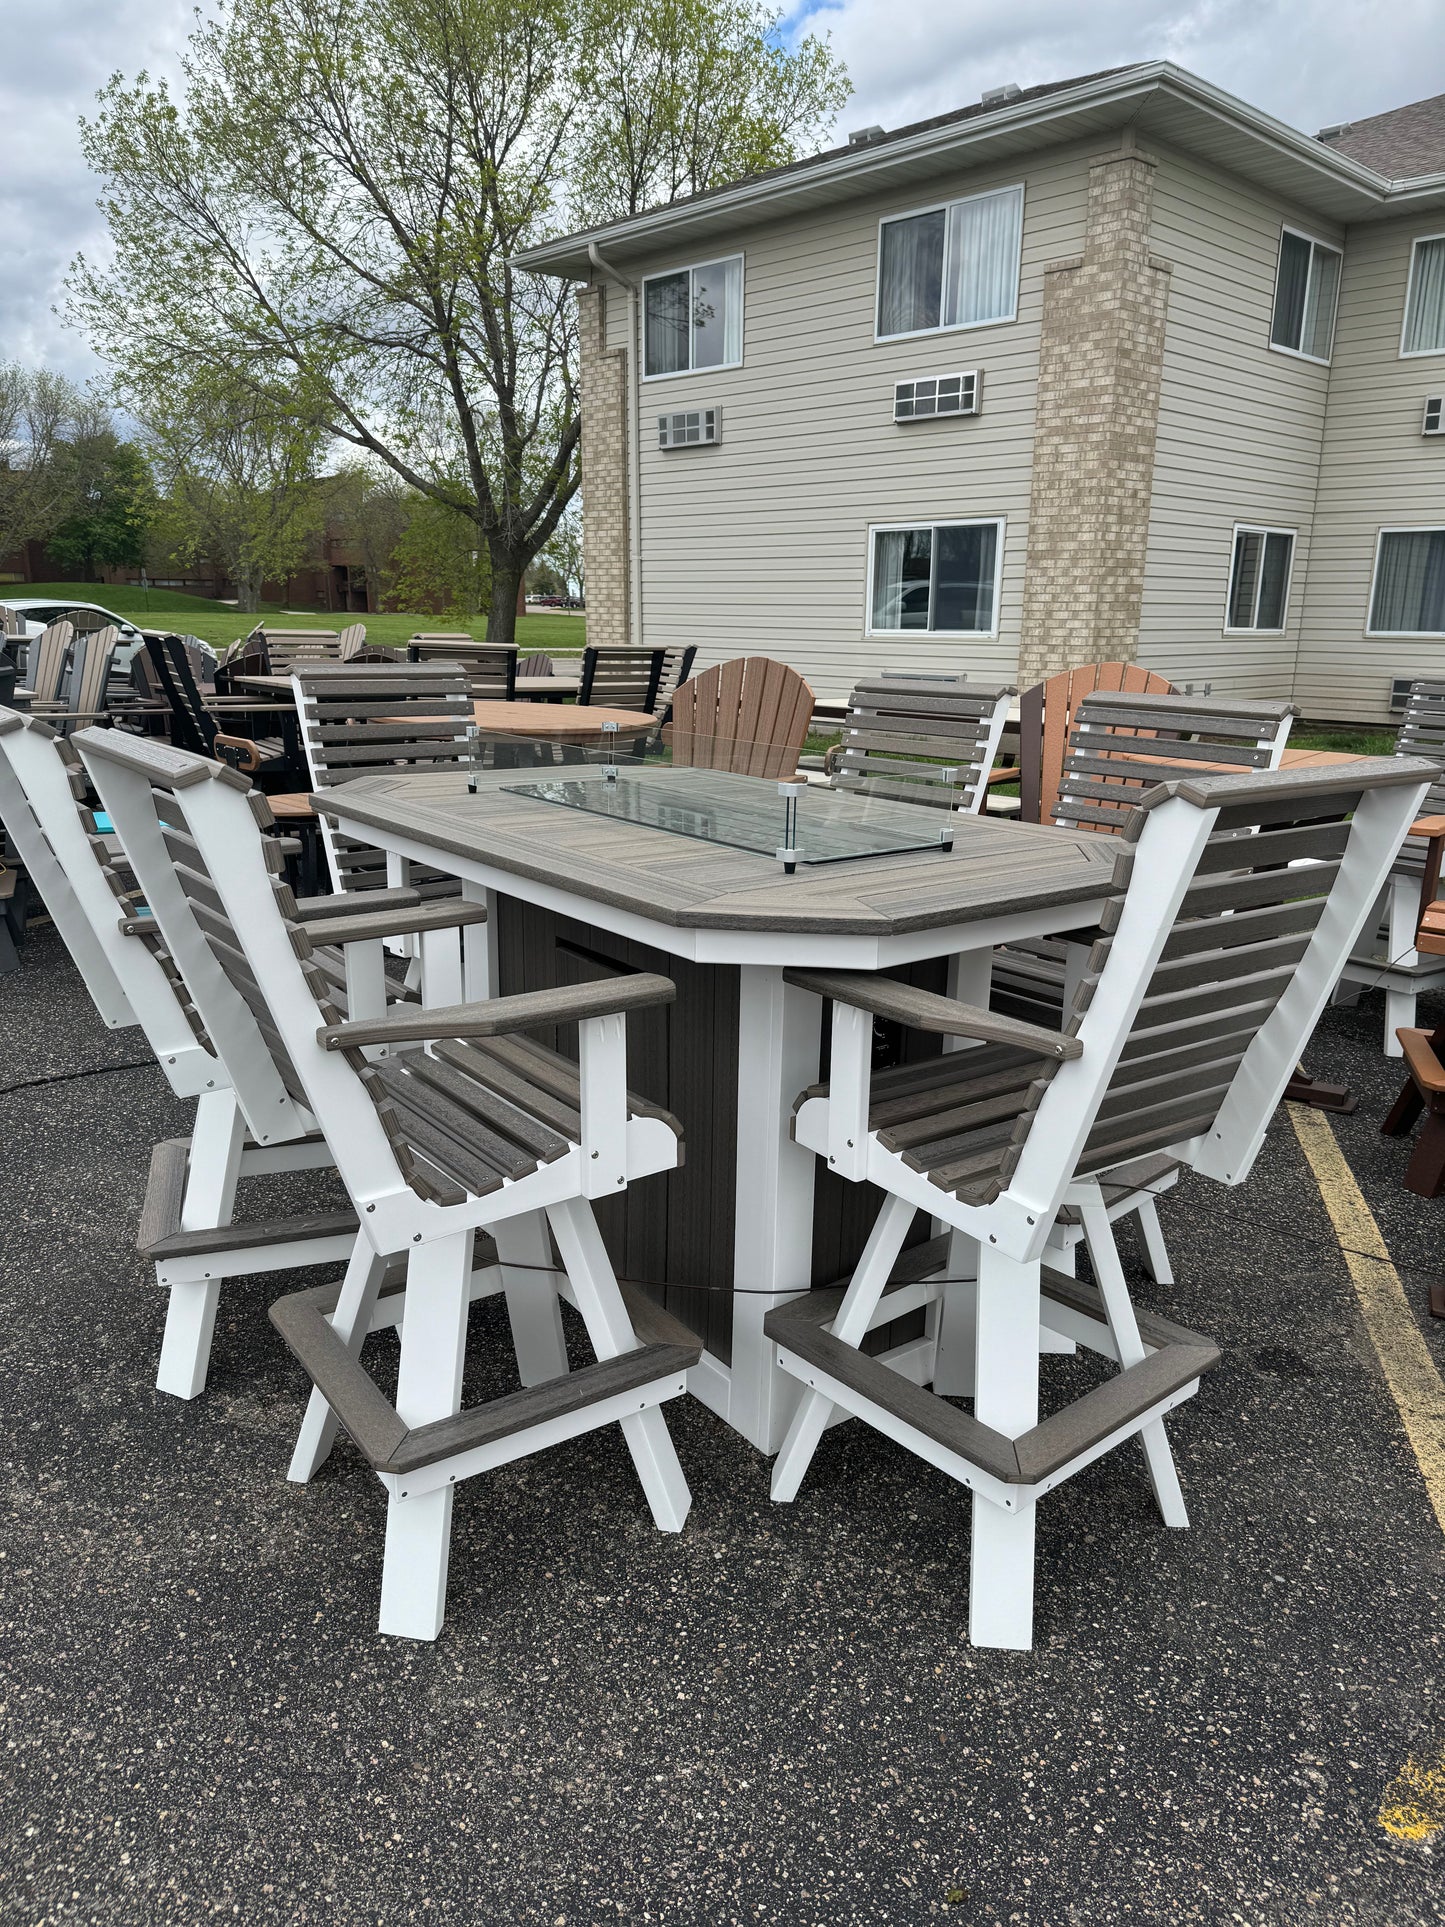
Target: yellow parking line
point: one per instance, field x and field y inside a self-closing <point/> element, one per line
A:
<point x="1413" y="1806"/>
<point x="1415" y="1384"/>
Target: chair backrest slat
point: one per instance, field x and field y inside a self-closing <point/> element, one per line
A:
<point x="490" y="669"/>
<point x="286" y="647"/>
<point x="750" y="716"/>
<point x="46" y="660"/>
<point x="920" y="741"/>
<point x="1422" y="733"/>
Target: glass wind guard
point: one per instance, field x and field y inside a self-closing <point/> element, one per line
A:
<point x="745" y="796"/>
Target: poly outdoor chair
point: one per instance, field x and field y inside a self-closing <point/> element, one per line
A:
<point x="1046" y="718"/>
<point x="1388" y="956"/>
<point x="621" y="678"/>
<point x="920" y="741"/>
<point x="45" y="662"/>
<point x="463" y="1125"/>
<point x="83" y="699"/>
<point x="1215" y="962"/>
<point x="199" y="725"/>
<point x="244" y="1123"/>
<point x="750" y="716"/>
<point x="490" y="669"/>
<point x="250" y="1121"/>
<point x="362" y="720"/>
<point x="287" y="647"/>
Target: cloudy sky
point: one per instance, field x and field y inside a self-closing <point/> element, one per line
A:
<point x="1312" y="64"/>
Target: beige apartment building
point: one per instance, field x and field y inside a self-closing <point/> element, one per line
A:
<point x="1114" y="368"/>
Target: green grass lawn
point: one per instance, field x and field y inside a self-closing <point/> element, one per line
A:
<point x="218" y="624"/>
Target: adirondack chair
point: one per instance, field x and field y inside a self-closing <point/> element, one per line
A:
<point x="352" y="643"/>
<point x="84" y="698"/>
<point x="354" y="722"/>
<point x="490" y="670"/>
<point x="247" y="1121"/>
<point x="749" y="716"/>
<point x="465" y="1125"/>
<point x="920" y="741"/>
<point x="244" y="1125"/>
<point x="1389" y="956"/>
<point x="196" y="725"/>
<point x="1046" y="716"/>
<point x="45" y="664"/>
<point x="1216" y="960"/>
<point x="622" y="678"/>
<point x="539" y="663"/>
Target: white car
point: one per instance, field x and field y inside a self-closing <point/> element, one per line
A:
<point x="37" y="612"/>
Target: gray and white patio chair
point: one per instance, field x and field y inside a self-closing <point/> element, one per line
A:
<point x="83" y="698"/>
<point x="920" y="740"/>
<point x="244" y="1125"/>
<point x="1386" y="956"/>
<point x="1215" y="960"/>
<point x="462" y="1125"/>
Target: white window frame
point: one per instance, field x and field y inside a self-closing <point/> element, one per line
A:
<point x="691" y="267"/>
<point x="1399" y="528"/>
<point x="1316" y="241"/>
<point x="1416" y="354"/>
<point x="1260" y="528"/>
<point x="999" y="522"/>
<point x="955" y="327"/>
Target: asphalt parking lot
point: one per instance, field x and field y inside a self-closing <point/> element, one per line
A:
<point x="774" y="1717"/>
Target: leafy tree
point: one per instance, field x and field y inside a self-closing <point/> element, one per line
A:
<point x="438" y="564"/>
<point x="41" y="414"/>
<point x="563" y="553"/>
<point x="373" y="510"/>
<point x="338" y="188"/>
<point x="239" y="473"/>
<point x="108" y="481"/>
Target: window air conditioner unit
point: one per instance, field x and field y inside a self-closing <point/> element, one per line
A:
<point x="1400" y="687"/>
<point x="1434" y="422"/>
<point x="931" y="396"/>
<point x="689" y="428"/>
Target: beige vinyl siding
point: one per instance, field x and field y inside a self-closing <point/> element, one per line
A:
<point x="1240" y="429"/>
<point x="761" y="543"/>
<point x="1377" y="471"/>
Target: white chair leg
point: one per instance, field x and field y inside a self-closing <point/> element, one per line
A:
<point x="1001" y="1571"/>
<point x="595" y="1293"/>
<point x="1124" y="1328"/>
<point x="533" y="1306"/>
<point x="429" y="1386"/>
<point x="441" y="969"/>
<point x="351" y="1321"/>
<point x="217" y="1140"/>
<point x="1151" y="1236"/>
<point x="1399" y="1015"/>
<point x="658" y="1469"/>
<point x="860" y="1301"/>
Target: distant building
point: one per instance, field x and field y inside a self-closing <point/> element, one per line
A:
<point x="1114" y="367"/>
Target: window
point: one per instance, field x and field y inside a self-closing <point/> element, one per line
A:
<point x="1408" y="598"/>
<point x="1424" y="331"/>
<point x="693" y="319"/>
<point x="941" y="577"/>
<point x="1306" y="289"/>
<point x="950" y="267"/>
<point x="1259" y="579"/>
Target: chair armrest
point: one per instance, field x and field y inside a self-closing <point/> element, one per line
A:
<point x="1428" y="826"/>
<point x="528" y="1010"/>
<point x="925" y="1010"/>
<point x="248" y="757"/>
<point x="447" y="913"/>
<point x="353" y="903"/>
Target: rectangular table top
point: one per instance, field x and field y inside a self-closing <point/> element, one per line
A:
<point x="526" y="686"/>
<point x="995" y="869"/>
<point x="560" y="722"/>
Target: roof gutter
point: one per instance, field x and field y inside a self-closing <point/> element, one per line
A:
<point x="634" y="445"/>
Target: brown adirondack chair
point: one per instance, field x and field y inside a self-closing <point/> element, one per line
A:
<point x="749" y="716"/>
<point x="1046" y="717"/>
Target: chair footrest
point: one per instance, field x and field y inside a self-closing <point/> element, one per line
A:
<point x="1182" y="1356"/>
<point x="160" y="1236"/>
<point x="390" y="1446"/>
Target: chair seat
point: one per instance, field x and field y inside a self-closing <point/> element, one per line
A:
<point x="475" y="1115"/>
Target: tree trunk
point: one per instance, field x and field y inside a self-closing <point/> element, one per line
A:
<point x="248" y="592"/>
<point x="507" y="572"/>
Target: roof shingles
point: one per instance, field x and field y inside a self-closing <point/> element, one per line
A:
<point x="1403" y="144"/>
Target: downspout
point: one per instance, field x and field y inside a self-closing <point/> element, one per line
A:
<point x="634" y="446"/>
